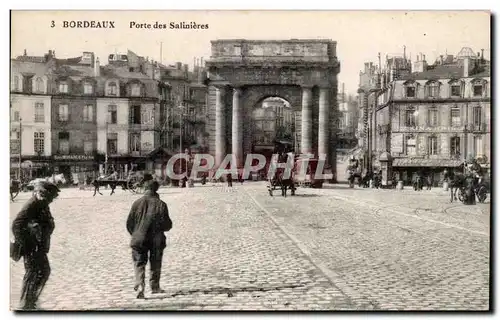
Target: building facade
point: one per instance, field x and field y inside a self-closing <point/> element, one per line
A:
<point x="30" y="117"/>
<point x="436" y="117"/>
<point x="80" y="118"/>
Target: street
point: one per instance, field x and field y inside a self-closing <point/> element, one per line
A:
<point x="240" y="249"/>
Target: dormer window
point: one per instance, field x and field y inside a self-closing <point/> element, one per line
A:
<point x="39" y="85"/>
<point x="112" y="89"/>
<point x="135" y="90"/>
<point x="410" y="92"/>
<point x="455" y="89"/>
<point x="410" y="88"/>
<point x="478" y="90"/>
<point x="88" y="88"/>
<point x="433" y="89"/>
<point x="63" y="87"/>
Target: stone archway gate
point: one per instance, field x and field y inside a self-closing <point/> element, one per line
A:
<point x="244" y="72"/>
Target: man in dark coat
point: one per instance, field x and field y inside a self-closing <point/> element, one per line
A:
<point x="32" y="229"/>
<point x="147" y="221"/>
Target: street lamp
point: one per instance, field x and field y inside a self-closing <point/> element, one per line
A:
<point x="372" y="127"/>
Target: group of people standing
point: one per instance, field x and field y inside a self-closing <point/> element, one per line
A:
<point x="34" y="225"/>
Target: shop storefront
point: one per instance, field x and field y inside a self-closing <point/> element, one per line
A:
<point x="75" y="167"/>
<point x="32" y="167"/>
<point x="406" y="169"/>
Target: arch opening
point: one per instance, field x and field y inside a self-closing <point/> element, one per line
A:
<point x="273" y="126"/>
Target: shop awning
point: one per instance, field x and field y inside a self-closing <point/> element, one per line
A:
<point x="426" y="163"/>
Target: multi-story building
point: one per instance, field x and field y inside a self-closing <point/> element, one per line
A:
<point x="437" y="116"/>
<point x="129" y="105"/>
<point x="30" y="116"/>
<point x="73" y="112"/>
<point x="76" y="113"/>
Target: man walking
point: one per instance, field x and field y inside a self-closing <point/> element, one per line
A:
<point x="147" y="221"/>
<point x="32" y="229"/>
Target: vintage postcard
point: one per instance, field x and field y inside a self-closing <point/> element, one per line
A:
<point x="250" y="160"/>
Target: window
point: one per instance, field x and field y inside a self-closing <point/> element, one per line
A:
<point x="88" y="113"/>
<point x="28" y="84"/>
<point x="88" y="144"/>
<point x="476" y="116"/>
<point x="455" y="147"/>
<point x="16" y="116"/>
<point x="478" y="146"/>
<point x="112" y="89"/>
<point x="433" y="90"/>
<point x="39" y="142"/>
<point x="411" y="147"/>
<point x="63" y="142"/>
<point x="16" y="84"/>
<point x="135" y="142"/>
<point x="39" y="112"/>
<point x="14" y="142"/>
<point x="455" y="90"/>
<point x="410" y="117"/>
<point x="456" y="121"/>
<point x="112" y="143"/>
<point x="135" y="90"/>
<point x="39" y="85"/>
<point x="135" y="114"/>
<point x="87" y="88"/>
<point x="63" y="87"/>
<point x="432" y="143"/>
<point x="478" y="90"/>
<point x="433" y="117"/>
<point x="112" y="114"/>
<point x="410" y="92"/>
<point x="63" y="112"/>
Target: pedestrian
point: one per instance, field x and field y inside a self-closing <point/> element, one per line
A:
<point x="430" y="181"/>
<point x="229" y="179"/>
<point x="147" y="221"/>
<point x="32" y="229"/>
<point x="95" y="183"/>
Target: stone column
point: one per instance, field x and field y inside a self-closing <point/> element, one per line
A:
<point x="237" y="128"/>
<point x="306" y="137"/>
<point x="323" y="132"/>
<point x="220" y="119"/>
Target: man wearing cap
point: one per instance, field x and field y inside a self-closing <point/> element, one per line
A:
<point x="32" y="229"/>
<point x="147" y="221"/>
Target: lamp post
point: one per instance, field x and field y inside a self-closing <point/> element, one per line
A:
<point x="20" y="146"/>
<point x="372" y="127"/>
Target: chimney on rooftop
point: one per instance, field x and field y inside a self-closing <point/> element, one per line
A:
<point x="482" y="54"/>
<point x="466" y="67"/>
<point x="25" y="53"/>
<point x="97" y="68"/>
<point x="178" y="65"/>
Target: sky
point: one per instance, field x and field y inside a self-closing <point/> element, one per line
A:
<point x="360" y="35"/>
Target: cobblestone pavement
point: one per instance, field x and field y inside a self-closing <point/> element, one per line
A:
<point x="394" y="249"/>
<point x="237" y="248"/>
<point x="223" y="253"/>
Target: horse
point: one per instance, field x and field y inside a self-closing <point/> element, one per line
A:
<point x="457" y="182"/>
<point x="283" y="183"/>
<point x="57" y="179"/>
